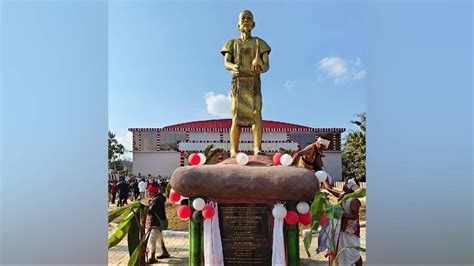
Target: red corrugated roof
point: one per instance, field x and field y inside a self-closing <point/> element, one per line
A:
<point x="226" y="123"/>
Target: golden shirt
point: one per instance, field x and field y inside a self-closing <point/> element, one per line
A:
<point x="246" y="87"/>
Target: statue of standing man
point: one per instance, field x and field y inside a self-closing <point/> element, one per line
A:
<point x="246" y="57"/>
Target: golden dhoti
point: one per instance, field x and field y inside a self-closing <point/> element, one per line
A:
<point x="246" y="99"/>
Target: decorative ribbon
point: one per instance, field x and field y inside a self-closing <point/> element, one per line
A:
<point x="330" y="254"/>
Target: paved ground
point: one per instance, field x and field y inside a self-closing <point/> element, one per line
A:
<point x="178" y="246"/>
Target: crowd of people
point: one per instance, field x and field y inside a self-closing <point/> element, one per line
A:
<point x="125" y="188"/>
<point x="137" y="188"/>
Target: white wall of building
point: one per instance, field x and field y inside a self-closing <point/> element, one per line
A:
<point x="274" y="136"/>
<point x="206" y="136"/>
<point x="155" y="163"/>
<point x="333" y="165"/>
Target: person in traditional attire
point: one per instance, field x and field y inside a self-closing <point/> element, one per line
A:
<point x="311" y="157"/>
<point x="246" y="57"/>
<point x="157" y="213"/>
<point x="349" y="235"/>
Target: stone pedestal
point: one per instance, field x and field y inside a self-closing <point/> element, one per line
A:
<point x="246" y="195"/>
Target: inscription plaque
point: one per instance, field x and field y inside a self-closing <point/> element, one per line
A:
<point x="246" y="233"/>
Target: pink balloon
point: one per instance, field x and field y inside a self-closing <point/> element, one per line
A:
<point x="194" y="159"/>
<point x="276" y="158"/>
<point x="305" y="219"/>
<point x="184" y="212"/>
<point x="208" y="212"/>
<point x="291" y="217"/>
<point x="175" y="196"/>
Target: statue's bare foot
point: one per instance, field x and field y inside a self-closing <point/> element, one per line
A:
<point x="258" y="152"/>
<point x="232" y="154"/>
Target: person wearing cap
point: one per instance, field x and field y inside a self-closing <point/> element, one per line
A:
<point x="350" y="228"/>
<point x="156" y="212"/>
<point x="311" y="156"/>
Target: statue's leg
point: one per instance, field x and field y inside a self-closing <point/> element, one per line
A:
<point x="234" y="138"/>
<point x="257" y="127"/>
<point x="257" y="137"/>
<point x="234" y="129"/>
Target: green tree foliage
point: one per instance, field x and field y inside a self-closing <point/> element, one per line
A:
<point x="353" y="153"/>
<point x="321" y="205"/>
<point x="209" y="152"/>
<point x="115" y="151"/>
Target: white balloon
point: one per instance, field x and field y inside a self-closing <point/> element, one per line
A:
<point x="321" y="175"/>
<point x="198" y="204"/>
<point x="242" y="158"/>
<point x="286" y="159"/>
<point x="202" y="157"/>
<point x="302" y="207"/>
<point x="279" y="212"/>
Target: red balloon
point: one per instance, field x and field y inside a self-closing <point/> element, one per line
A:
<point x="175" y="197"/>
<point x="323" y="219"/>
<point x="291" y="217"/>
<point x="208" y="212"/>
<point x="194" y="159"/>
<point x="184" y="212"/>
<point x="305" y="219"/>
<point x="276" y="158"/>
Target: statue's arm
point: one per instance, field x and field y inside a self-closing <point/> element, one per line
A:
<point x="229" y="64"/>
<point x="266" y="63"/>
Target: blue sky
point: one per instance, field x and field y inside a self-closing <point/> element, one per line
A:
<point x="165" y="66"/>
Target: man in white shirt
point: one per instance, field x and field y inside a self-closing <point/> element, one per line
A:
<point x="142" y="188"/>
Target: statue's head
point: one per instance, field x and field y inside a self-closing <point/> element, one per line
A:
<point x="246" y="23"/>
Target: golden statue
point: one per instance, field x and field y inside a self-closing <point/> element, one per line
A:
<point x="246" y="58"/>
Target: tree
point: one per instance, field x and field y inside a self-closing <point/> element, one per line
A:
<point x="115" y="151"/>
<point x="353" y="153"/>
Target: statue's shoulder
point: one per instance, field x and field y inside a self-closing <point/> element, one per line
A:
<point x="228" y="46"/>
<point x="263" y="45"/>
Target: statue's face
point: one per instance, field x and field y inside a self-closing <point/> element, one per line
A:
<point x="246" y="22"/>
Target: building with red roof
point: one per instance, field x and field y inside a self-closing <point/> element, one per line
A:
<point x="158" y="151"/>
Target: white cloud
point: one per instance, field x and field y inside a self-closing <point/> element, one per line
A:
<point x="339" y="69"/>
<point x="289" y="84"/>
<point x="360" y="74"/>
<point x="333" y="67"/>
<point x="218" y="105"/>
<point x="126" y="141"/>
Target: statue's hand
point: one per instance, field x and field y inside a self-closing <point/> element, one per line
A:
<point x="257" y="69"/>
<point x="235" y="70"/>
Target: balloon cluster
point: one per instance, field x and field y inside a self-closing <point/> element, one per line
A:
<point x="282" y="159"/>
<point x="202" y="210"/>
<point x="291" y="217"/>
<point x="197" y="159"/>
<point x="278" y="159"/>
